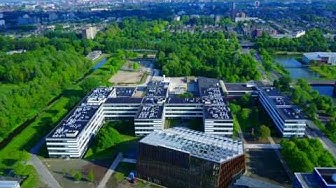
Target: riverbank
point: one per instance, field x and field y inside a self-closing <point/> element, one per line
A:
<point x="325" y="71"/>
<point x="288" y="53"/>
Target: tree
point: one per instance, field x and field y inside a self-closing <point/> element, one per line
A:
<point x="136" y="66"/>
<point x="264" y="132"/>
<point x="91" y="176"/>
<point x="89" y="83"/>
<point x="77" y="175"/>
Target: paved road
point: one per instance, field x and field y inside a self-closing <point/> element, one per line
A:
<point x="313" y="131"/>
<point x="262" y="146"/>
<point x="111" y="170"/>
<point x="43" y="172"/>
<point x="41" y="169"/>
<point x="284" y="164"/>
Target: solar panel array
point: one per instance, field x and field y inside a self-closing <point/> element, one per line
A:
<point x="210" y="147"/>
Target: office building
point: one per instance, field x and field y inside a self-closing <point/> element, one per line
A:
<point x="148" y="106"/>
<point x="89" y="33"/>
<point x="180" y="157"/>
<point x="9" y="184"/>
<point x="288" y="118"/>
<point x="321" y="177"/>
<point x="320" y="57"/>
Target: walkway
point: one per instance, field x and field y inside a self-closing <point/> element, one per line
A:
<point x="262" y="146"/>
<point x="41" y="169"/>
<point x="111" y="170"/>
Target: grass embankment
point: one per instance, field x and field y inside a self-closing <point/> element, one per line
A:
<point x="287" y="53"/>
<point x="15" y="155"/>
<point x="326" y="71"/>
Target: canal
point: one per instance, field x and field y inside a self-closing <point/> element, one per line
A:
<point x="296" y="71"/>
<point x="99" y="64"/>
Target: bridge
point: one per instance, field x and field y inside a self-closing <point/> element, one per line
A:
<point x="246" y="44"/>
<point x="322" y="82"/>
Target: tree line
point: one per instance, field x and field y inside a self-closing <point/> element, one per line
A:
<point x="302" y="155"/>
<point x="312" y="41"/>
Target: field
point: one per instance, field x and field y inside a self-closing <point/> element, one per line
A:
<point x="126" y="77"/>
<point x="130" y="74"/>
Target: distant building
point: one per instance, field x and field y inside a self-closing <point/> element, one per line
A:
<point x="298" y="34"/>
<point x="149" y="111"/>
<point x="89" y="33"/>
<point x="246" y="19"/>
<point x="321" y="177"/>
<point x="2" y="23"/>
<point x="177" y="18"/>
<point x="257" y="33"/>
<point x="9" y="184"/>
<point x="180" y="157"/>
<point x="320" y="57"/>
<point x="288" y="118"/>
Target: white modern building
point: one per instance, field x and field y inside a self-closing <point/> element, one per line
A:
<point x="288" y="118"/>
<point x="148" y="110"/>
<point x="320" y="57"/>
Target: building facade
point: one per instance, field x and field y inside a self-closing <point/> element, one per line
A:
<point x="181" y="157"/>
<point x="320" y="57"/>
<point x="148" y="110"/>
<point x="287" y="118"/>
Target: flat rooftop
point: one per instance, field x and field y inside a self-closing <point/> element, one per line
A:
<point x="150" y="112"/>
<point x="125" y="91"/>
<point x="272" y="92"/>
<point x="122" y="100"/>
<point x="314" y="179"/>
<point x="177" y="100"/>
<point x="238" y="87"/>
<point x="282" y="103"/>
<point x="71" y="126"/>
<point x="214" y="148"/>
<point x="98" y="95"/>
<point x="209" y="87"/>
<point x="219" y="112"/>
<point x="157" y="88"/>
